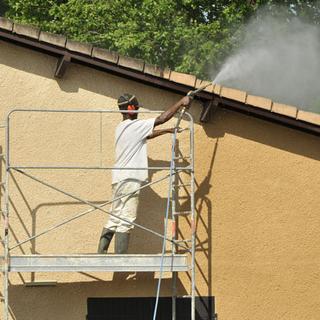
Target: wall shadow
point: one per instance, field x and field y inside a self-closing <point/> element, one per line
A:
<point x="264" y="132"/>
<point x="151" y="214"/>
<point x="89" y="79"/>
<point x="204" y="216"/>
<point x="69" y="300"/>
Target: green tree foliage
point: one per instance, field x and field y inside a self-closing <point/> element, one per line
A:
<point x="191" y="36"/>
<point x="3" y="7"/>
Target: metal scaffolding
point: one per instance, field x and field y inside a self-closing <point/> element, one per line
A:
<point x="174" y="262"/>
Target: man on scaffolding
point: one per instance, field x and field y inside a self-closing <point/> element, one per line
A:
<point x="131" y="152"/>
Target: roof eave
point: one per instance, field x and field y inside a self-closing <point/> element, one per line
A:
<point x="159" y="82"/>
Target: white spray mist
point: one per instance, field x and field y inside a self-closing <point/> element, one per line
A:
<point x="279" y="60"/>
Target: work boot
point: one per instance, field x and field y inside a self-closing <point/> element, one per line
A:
<point x="105" y="239"/>
<point x="122" y="242"/>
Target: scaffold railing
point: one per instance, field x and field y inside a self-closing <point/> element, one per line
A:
<point x="174" y="262"/>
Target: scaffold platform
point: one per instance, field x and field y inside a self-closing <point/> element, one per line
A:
<point x="96" y="262"/>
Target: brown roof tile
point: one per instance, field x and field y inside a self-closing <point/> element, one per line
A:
<point x="183" y="78"/>
<point x="217" y="89"/>
<point x="198" y="83"/>
<point x="104" y="54"/>
<point x="55" y="39"/>
<point x="132" y="63"/>
<point x="6" y="24"/>
<point x="26" y="30"/>
<point x="153" y="70"/>
<point x="309" y="117"/>
<point x="233" y="94"/>
<point x="80" y="47"/>
<point x="259" y="102"/>
<point x="284" y="109"/>
<point x="166" y="73"/>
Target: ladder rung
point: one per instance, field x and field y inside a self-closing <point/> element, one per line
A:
<point x="183" y="241"/>
<point x="181" y="158"/>
<point x="184" y="129"/>
<point x="182" y="213"/>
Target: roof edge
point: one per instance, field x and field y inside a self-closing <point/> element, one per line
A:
<point x="112" y="62"/>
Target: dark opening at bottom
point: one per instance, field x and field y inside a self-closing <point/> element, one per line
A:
<point x="142" y="308"/>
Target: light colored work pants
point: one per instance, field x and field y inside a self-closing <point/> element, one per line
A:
<point x="125" y="207"/>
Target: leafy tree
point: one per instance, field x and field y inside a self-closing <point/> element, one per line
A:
<point x="191" y="36"/>
<point x="3" y="7"/>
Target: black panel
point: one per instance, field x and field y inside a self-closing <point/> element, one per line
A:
<point x="142" y="308"/>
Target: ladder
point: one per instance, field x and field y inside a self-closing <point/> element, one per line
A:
<point x="173" y="262"/>
<point x="179" y="184"/>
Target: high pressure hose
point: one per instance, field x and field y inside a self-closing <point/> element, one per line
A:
<point x="172" y="163"/>
<point x="174" y="139"/>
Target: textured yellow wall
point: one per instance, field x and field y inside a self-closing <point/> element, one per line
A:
<point x="257" y="197"/>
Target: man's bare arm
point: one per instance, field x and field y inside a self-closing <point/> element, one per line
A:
<point x="168" y="114"/>
<point x="160" y="132"/>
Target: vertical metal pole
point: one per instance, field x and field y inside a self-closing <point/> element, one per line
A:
<point x="100" y="140"/>
<point x="174" y="218"/>
<point x="6" y="232"/>
<point x="174" y="235"/>
<point x="193" y="225"/>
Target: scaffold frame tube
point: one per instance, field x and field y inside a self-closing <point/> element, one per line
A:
<point x="20" y="168"/>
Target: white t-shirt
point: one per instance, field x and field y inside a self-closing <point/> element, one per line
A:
<point x="131" y="149"/>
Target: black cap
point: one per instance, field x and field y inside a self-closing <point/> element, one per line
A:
<point x="127" y="99"/>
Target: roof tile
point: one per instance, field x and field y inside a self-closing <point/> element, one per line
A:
<point x="80" y="47"/>
<point x="198" y="83"/>
<point x="284" y="109"/>
<point x="259" y="102"/>
<point x="217" y="89"/>
<point x="166" y="73"/>
<point x="132" y="63"/>
<point x="234" y="94"/>
<point x="26" y="30"/>
<point x="309" y="117"/>
<point x="183" y="78"/>
<point x="104" y="54"/>
<point x="6" y="24"/>
<point x="52" y="38"/>
<point x="153" y="70"/>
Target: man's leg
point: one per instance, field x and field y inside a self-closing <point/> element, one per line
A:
<point x="128" y="212"/>
<point x="105" y="239"/>
<point x="110" y="228"/>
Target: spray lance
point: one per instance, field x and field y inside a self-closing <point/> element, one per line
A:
<point x="191" y="94"/>
<point x="194" y="92"/>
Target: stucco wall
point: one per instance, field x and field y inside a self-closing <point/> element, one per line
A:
<point x="257" y="197"/>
